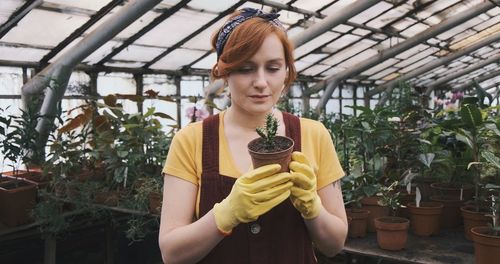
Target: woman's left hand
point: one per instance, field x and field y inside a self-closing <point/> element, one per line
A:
<point x="304" y="195"/>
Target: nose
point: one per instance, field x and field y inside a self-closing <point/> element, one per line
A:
<point x="260" y="80"/>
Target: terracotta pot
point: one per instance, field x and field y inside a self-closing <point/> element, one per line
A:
<point x="371" y="204"/>
<point x="474" y="217"/>
<point x="110" y="198"/>
<point x="486" y="245"/>
<point x="453" y="190"/>
<point x="282" y="157"/>
<point x="426" y="218"/>
<point x="17" y="199"/>
<point x="359" y="221"/>
<point x="404" y="199"/>
<point x="155" y="202"/>
<point x="451" y="216"/>
<point x="34" y="176"/>
<point x="392" y="232"/>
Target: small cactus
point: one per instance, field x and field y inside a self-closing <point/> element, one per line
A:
<point x="269" y="131"/>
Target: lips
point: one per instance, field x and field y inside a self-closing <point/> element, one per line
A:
<point x="259" y="96"/>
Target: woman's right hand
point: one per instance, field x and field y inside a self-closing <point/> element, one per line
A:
<point x="253" y="194"/>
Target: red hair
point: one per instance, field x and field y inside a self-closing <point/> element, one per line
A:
<point x="245" y="41"/>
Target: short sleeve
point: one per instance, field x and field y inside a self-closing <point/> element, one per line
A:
<point x="329" y="169"/>
<point x="181" y="156"/>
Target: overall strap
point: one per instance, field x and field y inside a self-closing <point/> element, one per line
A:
<point x="292" y="126"/>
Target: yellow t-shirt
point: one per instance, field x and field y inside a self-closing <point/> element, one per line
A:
<point x="184" y="157"/>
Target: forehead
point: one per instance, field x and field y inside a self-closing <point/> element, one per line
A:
<point x="271" y="49"/>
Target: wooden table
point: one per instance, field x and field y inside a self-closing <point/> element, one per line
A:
<point x="450" y="246"/>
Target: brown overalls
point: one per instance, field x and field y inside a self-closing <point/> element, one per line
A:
<point x="279" y="236"/>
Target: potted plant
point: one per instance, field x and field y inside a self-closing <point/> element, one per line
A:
<point x="487" y="238"/>
<point x="353" y="192"/>
<point x="392" y="231"/>
<point x="269" y="148"/>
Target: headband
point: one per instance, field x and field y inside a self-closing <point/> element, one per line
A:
<point x="231" y="24"/>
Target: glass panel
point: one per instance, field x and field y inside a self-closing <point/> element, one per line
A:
<point x="314" y="43"/>
<point x="212" y="6"/>
<point x="292" y="32"/>
<point x="101" y="52"/>
<point x="414" y="30"/>
<point x="311" y="5"/>
<point x="21" y="53"/>
<point x="7" y="8"/>
<point x="339" y="5"/>
<point x="458" y="29"/>
<point x="316" y="69"/>
<point x="11" y="81"/>
<point x="300" y="65"/>
<point x="332" y="106"/>
<point x="490" y="22"/>
<point x="384" y="73"/>
<point x="390" y="16"/>
<point x="352" y="62"/>
<point x="159" y="83"/>
<point x="125" y="64"/>
<point x="206" y="63"/>
<point x="342" y="28"/>
<point x="350" y="51"/>
<point x="176" y="27"/>
<point x="343" y="41"/>
<point x="32" y="29"/>
<point x="416" y="57"/>
<point x="410" y="52"/>
<point x="138" y="53"/>
<point x="361" y="32"/>
<point x="289" y="17"/>
<point x="177" y="58"/>
<point x="203" y="40"/>
<point x="88" y="4"/>
<point x="192" y="87"/>
<point x="78" y="84"/>
<point x="417" y="64"/>
<point x="370" y="13"/>
<point x="313" y="57"/>
<point x="113" y="83"/>
<point x="380" y="66"/>
<point x="404" y="23"/>
<point x="334" y="70"/>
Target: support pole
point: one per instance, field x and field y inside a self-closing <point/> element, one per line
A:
<point x="56" y="75"/>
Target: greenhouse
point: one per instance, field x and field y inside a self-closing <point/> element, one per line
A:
<point x="264" y="131"/>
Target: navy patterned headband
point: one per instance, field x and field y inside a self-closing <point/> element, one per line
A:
<point x="246" y="13"/>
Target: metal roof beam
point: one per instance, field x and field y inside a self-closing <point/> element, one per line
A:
<point x="388" y="86"/>
<point x="78" y="32"/>
<point x="18" y="15"/>
<point x="333" y="80"/>
<point x="455" y="75"/>
<point x="479" y="79"/>
<point x="319" y="28"/>
<point x="56" y="75"/>
<point x="169" y="12"/>
<point x="332" y="21"/>
<point x="194" y="34"/>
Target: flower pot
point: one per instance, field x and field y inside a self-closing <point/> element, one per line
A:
<point x="453" y="190"/>
<point x="392" y="232"/>
<point x="404" y="199"/>
<point x="17" y="199"/>
<point x="451" y="216"/>
<point x="425" y="219"/>
<point x="371" y="204"/>
<point x="282" y="156"/>
<point x="34" y="176"/>
<point x="474" y="217"/>
<point x="359" y="221"/>
<point x="486" y="245"/>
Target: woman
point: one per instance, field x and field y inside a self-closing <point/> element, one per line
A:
<point x="216" y="207"/>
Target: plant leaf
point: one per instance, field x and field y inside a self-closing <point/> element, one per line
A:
<point x="491" y="158"/>
<point x="471" y="115"/>
<point x="426" y="158"/>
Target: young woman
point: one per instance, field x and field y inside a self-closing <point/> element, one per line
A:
<point x="216" y="207"/>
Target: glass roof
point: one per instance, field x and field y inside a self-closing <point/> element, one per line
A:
<point x="181" y="41"/>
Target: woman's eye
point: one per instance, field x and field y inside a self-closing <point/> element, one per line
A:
<point x="273" y="68"/>
<point x="245" y="69"/>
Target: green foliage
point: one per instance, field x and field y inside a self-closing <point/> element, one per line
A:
<point x="390" y="197"/>
<point x="268" y="132"/>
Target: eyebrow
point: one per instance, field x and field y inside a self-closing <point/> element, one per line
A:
<point x="268" y="61"/>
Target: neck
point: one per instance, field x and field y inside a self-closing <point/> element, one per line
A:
<point x="245" y="120"/>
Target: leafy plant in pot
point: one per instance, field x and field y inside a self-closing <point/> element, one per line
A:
<point x="269" y="148"/>
<point x="487" y="238"/>
<point x="392" y="231"/>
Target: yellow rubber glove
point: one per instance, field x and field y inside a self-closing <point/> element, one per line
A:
<point x="253" y="194"/>
<point x="304" y="194"/>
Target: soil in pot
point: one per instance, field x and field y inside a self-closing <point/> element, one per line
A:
<point x="281" y="154"/>
<point x="392" y="232"/>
